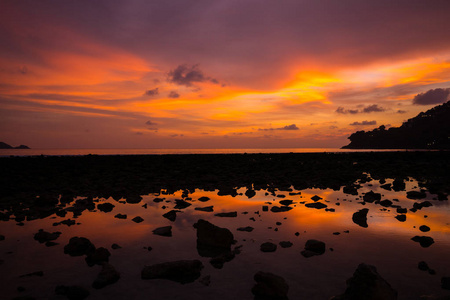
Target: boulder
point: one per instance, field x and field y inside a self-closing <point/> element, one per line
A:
<point x="98" y="257"/>
<point x="105" y="207"/>
<point x="316" y="205"/>
<point x="416" y="194"/>
<point x="232" y="214"/>
<point x="78" y="246"/>
<point x="270" y="287"/>
<point x="286" y="202"/>
<point x="424" y="241"/>
<point x="250" y="193"/>
<point x="277" y="209"/>
<point x="360" y="217"/>
<point x="137" y="219"/>
<point x="212" y="240"/>
<point x="372" y="197"/>
<point x="313" y="247"/>
<point x="316" y="198"/>
<point x="247" y="229"/>
<point x="268" y="247"/>
<point x="285" y="244"/>
<point x="108" y="275"/>
<point x="424" y="228"/>
<point x="182" y="271"/>
<point x="171" y="215"/>
<point x="203" y="199"/>
<point x="120" y="216"/>
<point x="163" y="231"/>
<point x="401" y="218"/>
<point x="181" y="204"/>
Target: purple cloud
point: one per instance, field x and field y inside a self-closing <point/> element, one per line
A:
<point x="364" y="123"/>
<point x="152" y="92"/>
<point x="173" y="94"/>
<point x="434" y="96"/>
<point x="188" y="75"/>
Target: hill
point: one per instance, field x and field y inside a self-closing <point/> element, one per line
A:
<point x="427" y="130"/>
<point x="6" y="146"/>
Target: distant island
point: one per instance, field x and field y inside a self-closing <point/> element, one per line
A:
<point x="6" y="146"/>
<point x="428" y="130"/>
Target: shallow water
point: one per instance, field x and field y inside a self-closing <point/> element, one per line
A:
<point x="386" y="243"/>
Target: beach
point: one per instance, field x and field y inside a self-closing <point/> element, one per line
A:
<point x="201" y="226"/>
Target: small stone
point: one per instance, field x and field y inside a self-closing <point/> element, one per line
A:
<point x="424" y="228"/>
<point x="401" y="218"/>
<point x="247" y="229"/>
<point x="232" y="214"/>
<point x="137" y="219"/>
<point x="268" y="247"/>
<point x="285" y="244"/>
<point x="313" y="247"/>
<point x="120" y="216"/>
<point x="270" y="286"/>
<point x="163" y="231"/>
<point x="171" y="215"/>
<point x="424" y="241"/>
<point x="423" y="266"/>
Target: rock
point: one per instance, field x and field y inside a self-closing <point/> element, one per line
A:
<point x="401" y="210"/>
<point x="285" y="244"/>
<point x="181" y="204"/>
<point x="398" y="184"/>
<point x="250" y="193"/>
<point x="276" y="209"/>
<point x="386" y="203"/>
<point x="79" y="246"/>
<point x="270" y="287"/>
<point x="2" y="237"/>
<point x="120" y="216"/>
<point x="133" y="199"/>
<point x="423" y="266"/>
<point x="386" y="186"/>
<point x="206" y="208"/>
<point x="330" y="209"/>
<point x="420" y="205"/>
<point x="248" y="229"/>
<point x="371" y="197"/>
<point x="286" y="202"/>
<point x="137" y="219"/>
<point x="265" y="208"/>
<point x="401" y="218"/>
<point x="98" y="257"/>
<point x="203" y="199"/>
<point x="445" y="283"/>
<point x="350" y="189"/>
<point x="105" y="207"/>
<point x="316" y="205"/>
<point x="182" y="271"/>
<point x="232" y="214"/>
<point x="72" y="292"/>
<point x="313" y="247"/>
<point x="157" y="200"/>
<point x="44" y="236"/>
<point x="211" y="239"/>
<point x="424" y="241"/>
<point x="416" y="195"/>
<point x="316" y="198"/>
<point x="108" y="275"/>
<point x="218" y="261"/>
<point x="163" y="231"/>
<point x="115" y="247"/>
<point x="424" y="228"/>
<point x="367" y="284"/>
<point x="171" y="215"/>
<point x="37" y="273"/>
<point x="360" y="217"/>
<point x="268" y="247"/>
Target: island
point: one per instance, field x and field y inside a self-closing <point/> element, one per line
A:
<point x="6" y="146"/>
<point x="427" y="130"/>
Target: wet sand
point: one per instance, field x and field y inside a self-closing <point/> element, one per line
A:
<point x="44" y="192"/>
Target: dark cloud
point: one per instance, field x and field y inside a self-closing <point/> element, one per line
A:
<point x="367" y="109"/>
<point x="401" y="111"/>
<point x="173" y="94"/>
<point x="287" y="127"/>
<point x="188" y="75"/>
<point x="434" y="96"/>
<point x="150" y="123"/>
<point x="373" y="108"/>
<point x="364" y="123"/>
<point x="152" y="92"/>
<point x="139" y="133"/>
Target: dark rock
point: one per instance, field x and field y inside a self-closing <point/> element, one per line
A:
<point x="371" y="197"/>
<point x="115" y="247"/>
<point x="268" y="247"/>
<point x="416" y="194"/>
<point x="360" y="217"/>
<point x="420" y="205"/>
<point x="212" y="240"/>
<point x="73" y="292"/>
<point x="398" y="184"/>
<point x="330" y="209"/>
<point x="232" y="214"/>
<point x="37" y="273"/>
<point x="248" y="229"/>
<point x="270" y="287"/>
<point x="316" y="205"/>
<point x="157" y="200"/>
<point x="401" y="210"/>
<point x="316" y="198"/>
<point x="445" y="283"/>
<point x="401" y="218"/>
<point x="98" y="257"/>
<point x="105" y="207"/>
<point x="182" y="271"/>
<point x="2" y="237"/>
<point x="386" y="203"/>
<point x="350" y="189"/>
<point x="386" y="186"/>
<point x="336" y="233"/>
<point x="137" y="219"/>
<point x="163" y="231"/>
<point x="423" y="266"/>
<point x="424" y="228"/>
<point x="133" y="199"/>
<point x="424" y="241"/>
<point x="285" y="244"/>
<point x="286" y="202"/>
<point x="78" y="246"/>
<point x="120" y="216"/>
<point x="313" y="247"/>
<point x="181" y="204"/>
<point x="171" y="215"/>
<point x="206" y="208"/>
<point x="367" y="284"/>
<point x="250" y="193"/>
<point x="276" y="209"/>
<point x="265" y="208"/>
<point x="44" y="236"/>
<point x="203" y="199"/>
<point x="108" y="275"/>
<point x="218" y="261"/>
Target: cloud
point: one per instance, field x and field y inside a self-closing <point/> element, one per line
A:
<point x="401" y="111"/>
<point x="363" y="123"/>
<point x="152" y="92"/>
<point x="173" y="94"/>
<point x="434" y="96"/>
<point x="188" y="75"/>
<point x="287" y="127"/>
<point x="367" y="109"/>
<point x="373" y="108"/>
<point x="150" y="123"/>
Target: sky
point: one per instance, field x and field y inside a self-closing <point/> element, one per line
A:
<point x="217" y="74"/>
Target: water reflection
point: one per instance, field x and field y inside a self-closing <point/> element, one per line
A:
<point x="385" y="243"/>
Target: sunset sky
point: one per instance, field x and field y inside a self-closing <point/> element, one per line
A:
<point x="217" y="74"/>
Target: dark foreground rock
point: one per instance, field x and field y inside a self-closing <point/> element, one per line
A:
<point x="360" y="217"/>
<point x="171" y="215"/>
<point x="72" y="292"/>
<point x="212" y="240"/>
<point x="313" y="247"/>
<point x="98" y="257"/>
<point x="424" y="241"/>
<point x="163" y="231"/>
<point x="182" y="271"/>
<point x="270" y="287"/>
<point x="79" y="246"/>
<point x="108" y="275"/>
<point x="371" y="197"/>
<point x="367" y="284"/>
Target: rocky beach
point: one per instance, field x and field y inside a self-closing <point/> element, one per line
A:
<point x="371" y="225"/>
